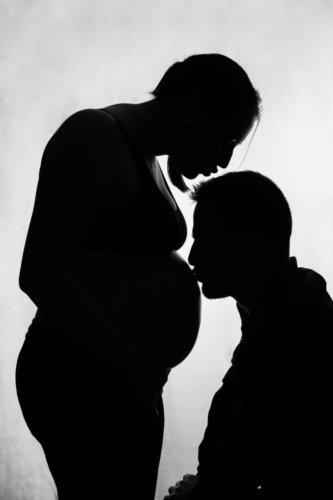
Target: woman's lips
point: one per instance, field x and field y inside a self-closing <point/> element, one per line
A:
<point x="209" y="172"/>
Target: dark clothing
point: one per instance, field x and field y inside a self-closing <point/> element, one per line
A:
<point x="99" y="440"/>
<point x="269" y="432"/>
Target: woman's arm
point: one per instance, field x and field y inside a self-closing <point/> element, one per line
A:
<point x="84" y="162"/>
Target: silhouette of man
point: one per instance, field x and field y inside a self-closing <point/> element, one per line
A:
<point x="269" y="432"/>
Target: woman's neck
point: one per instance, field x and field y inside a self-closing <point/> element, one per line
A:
<point x="148" y="123"/>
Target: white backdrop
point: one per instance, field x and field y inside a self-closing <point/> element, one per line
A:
<point x="60" y="56"/>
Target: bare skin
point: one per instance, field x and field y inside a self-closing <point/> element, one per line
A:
<point x="87" y="167"/>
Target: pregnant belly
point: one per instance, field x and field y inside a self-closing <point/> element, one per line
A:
<point x="154" y="301"/>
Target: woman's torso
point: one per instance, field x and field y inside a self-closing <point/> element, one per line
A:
<point x="128" y="260"/>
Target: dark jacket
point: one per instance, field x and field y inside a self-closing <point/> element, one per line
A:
<point x="269" y="432"/>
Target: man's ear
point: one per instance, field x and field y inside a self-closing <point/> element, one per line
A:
<point x="247" y="243"/>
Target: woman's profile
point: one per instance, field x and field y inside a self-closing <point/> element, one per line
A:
<point x="117" y="307"/>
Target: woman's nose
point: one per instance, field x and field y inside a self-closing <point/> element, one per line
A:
<point x="224" y="154"/>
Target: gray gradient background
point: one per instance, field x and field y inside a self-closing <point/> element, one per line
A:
<point x="60" y="56"/>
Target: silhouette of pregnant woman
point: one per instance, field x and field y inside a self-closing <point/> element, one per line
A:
<point x="118" y="307"/>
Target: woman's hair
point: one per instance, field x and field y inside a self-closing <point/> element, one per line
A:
<point x="251" y="204"/>
<point x="224" y="90"/>
<point x="223" y="86"/>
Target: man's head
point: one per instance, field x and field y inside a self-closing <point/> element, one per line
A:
<point x="242" y="228"/>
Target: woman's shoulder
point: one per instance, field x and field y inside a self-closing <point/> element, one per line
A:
<point x="88" y="136"/>
<point x="87" y="116"/>
<point x="89" y="124"/>
<point x="88" y="147"/>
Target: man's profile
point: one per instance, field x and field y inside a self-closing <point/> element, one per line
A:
<point x="269" y="433"/>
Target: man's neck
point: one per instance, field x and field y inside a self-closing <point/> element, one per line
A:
<point x="257" y="285"/>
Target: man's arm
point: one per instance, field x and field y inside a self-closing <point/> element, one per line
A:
<point x="228" y="452"/>
<point x="280" y="435"/>
<point x="271" y="430"/>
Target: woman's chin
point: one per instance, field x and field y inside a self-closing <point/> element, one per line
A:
<point x="190" y="174"/>
<point x="213" y="292"/>
<point x="195" y="173"/>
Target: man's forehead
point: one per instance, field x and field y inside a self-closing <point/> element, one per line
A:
<point x="205" y="209"/>
<point x="205" y="214"/>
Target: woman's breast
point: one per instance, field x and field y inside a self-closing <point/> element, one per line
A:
<point x="154" y="301"/>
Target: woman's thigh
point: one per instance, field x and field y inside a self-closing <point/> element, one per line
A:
<point x="97" y="438"/>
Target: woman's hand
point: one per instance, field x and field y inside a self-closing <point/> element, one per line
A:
<point x="183" y="488"/>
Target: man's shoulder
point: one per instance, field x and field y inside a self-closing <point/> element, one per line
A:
<point x="308" y="306"/>
<point x="302" y="316"/>
<point x="296" y="315"/>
